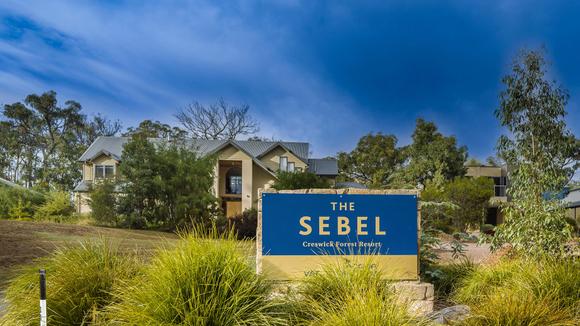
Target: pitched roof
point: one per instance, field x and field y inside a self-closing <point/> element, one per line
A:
<point x="323" y="166"/>
<point x="114" y="147"/>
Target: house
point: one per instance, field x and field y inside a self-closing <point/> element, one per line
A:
<point x="571" y="201"/>
<point x="499" y="176"/>
<point x="241" y="169"/>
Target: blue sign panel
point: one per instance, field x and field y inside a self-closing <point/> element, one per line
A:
<point x="311" y="224"/>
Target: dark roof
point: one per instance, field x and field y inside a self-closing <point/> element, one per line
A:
<point x="572" y="198"/>
<point x="85" y="186"/>
<point x="323" y="166"/>
<point x="114" y="146"/>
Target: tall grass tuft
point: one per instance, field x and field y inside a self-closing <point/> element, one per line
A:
<point x="545" y="291"/>
<point x="349" y="293"/>
<point x="205" y="280"/>
<point x="79" y="279"/>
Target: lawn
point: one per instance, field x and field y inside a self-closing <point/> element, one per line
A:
<point x="21" y="242"/>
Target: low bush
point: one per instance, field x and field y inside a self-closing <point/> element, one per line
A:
<point x="104" y="204"/>
<point x="446" y="278"/>
<point x="347" y="293"/>
<point x="523" y="292"/>
<point x="19" y="203"/>
<point x="79" y="283"/>
<point x="57" y="208"/>
<point x="244" y="224"/>
<point x="203" y="281"/>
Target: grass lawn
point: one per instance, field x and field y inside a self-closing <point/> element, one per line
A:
<point x="21" y="242"/>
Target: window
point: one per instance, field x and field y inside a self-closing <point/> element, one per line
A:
<point x="283" y="163"/>
<point x="104" y="171"/>
<point x="234" y="181"/>
<point x="290" y="166"/>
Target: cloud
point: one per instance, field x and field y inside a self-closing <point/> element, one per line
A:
<point x="324" y="72"/>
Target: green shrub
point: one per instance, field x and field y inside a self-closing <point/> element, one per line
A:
<point x="19" y="203"/>
<point x="79" y="283"/>
<point x="523" y="292"/>
<point x="299" y="180"/>
<point x="349" y="293"/>
<point x="244" y="224"/>
<point x="446" y="278"/>
<point x="203" y="281"/>
<point x="104" y="204"/>
<point x="58" y="208"/>
<point x="487" y="229"/>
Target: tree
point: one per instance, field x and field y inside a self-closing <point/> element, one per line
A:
<point x="217" y="121"/>
<point x="533" y="111"/>
<point x="541" y="155"/>
<point x="40" y="141"/>
<point x="298" y="180"/>
<point x="102" y="126"/>
<point x="103" y="202"/>
<point x="372" y="162"/>
<point x="429" y="151"/>
<point x="156" y="129"/>
<point x="165" y="185"/>
<point x="472" y="196"/>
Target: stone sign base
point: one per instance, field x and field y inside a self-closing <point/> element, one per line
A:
<point x="418" y="296"/>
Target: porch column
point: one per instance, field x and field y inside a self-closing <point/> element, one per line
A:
<point x="247" y="181"/>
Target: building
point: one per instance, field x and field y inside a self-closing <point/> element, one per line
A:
<point x="241" y="169"/>
<point x="571" y="201"/>
<point x="499" y="176"/>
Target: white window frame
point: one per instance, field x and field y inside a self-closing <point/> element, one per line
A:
<point x="104" y="169"/>
<point x="283" y="167"/>
<point x="291" y="167"/>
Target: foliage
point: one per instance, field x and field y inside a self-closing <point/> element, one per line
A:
<point x="349" y="293"/>
<point x="58" y="207"/>
<point x="533" y="227"/>
<point x="523" y="292"/>
<point x="446" y="278"/>
<point x="166" y="184"/>
<point x="541" y="155"/>
<point x="219" y="120"/>
<point x="372" y="162"/>
<point x="430" y="152"/>
<point x="103" y="203"/>
<point x="79" y="282"/>
<point x="19" y="203"/>
<point x="299" y="180"/>
<point x="244" y="224"/>
<point x="41" y="141"/>
<point x="156" y="129"/>
<point x="203" y="281"/>
<point x="472" y="196"/>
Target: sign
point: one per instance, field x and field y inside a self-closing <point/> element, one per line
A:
<point x="300" y="232"/>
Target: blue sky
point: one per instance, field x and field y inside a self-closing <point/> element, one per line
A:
<point x="323" y="72"/>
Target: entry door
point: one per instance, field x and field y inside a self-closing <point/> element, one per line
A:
<point x="233" y="208"/>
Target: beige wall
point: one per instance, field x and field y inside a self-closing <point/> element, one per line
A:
<point x="230" y="153"/>
<point x="82" y="203"/>
<point x="89" y="167"/>
<point x="485" y="171"/>
<point x="262" y="179"/>
<point x="272" y="159"/>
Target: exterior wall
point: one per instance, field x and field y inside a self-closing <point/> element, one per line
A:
<point x="81" y="200"/>
<point x="485" y="171"/>
<point x="262" y="180"/>
<point x="89" y="167"/>
<point x="230" y="153"/>
<point x="272" y="159"/>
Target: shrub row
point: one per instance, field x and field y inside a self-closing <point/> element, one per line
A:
<point x="204" y="280"/>
<point x="24" y="204"/>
